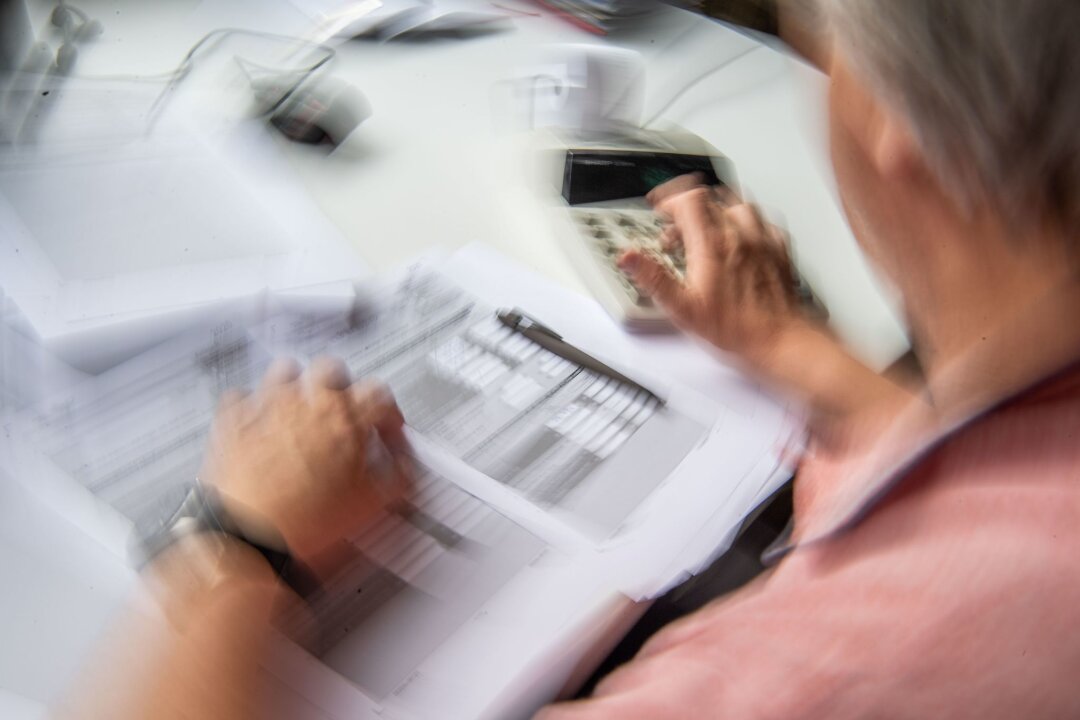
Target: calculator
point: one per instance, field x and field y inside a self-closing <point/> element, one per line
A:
<point x="603" y="181"/>
<point x="606" y="233"/>
<point x="603" y="234"/>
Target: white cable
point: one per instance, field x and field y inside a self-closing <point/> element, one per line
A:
<point x="693" y="83"/>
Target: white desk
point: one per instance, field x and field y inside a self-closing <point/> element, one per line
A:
<point x="433" y="170"/>
<point x="432" y="167"/>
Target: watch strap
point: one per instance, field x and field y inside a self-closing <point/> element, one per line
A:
<point x="202" y="511"/>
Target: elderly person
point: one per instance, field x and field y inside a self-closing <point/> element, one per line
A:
<point x="932" y="568"/>
<point x="930" y="571"/>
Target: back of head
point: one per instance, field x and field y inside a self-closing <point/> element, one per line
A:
<point x="991" y="89"/>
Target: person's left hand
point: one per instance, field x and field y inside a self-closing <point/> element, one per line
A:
<point x="308" y="460"/>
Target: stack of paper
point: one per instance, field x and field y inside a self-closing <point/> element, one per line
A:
<point x="539" y="480"/>
<point x="115" y="228"/>
<point x="28" y="372"/>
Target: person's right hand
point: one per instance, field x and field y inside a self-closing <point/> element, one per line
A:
<point x="739" y="294"/>
<point x="739" y="289"/>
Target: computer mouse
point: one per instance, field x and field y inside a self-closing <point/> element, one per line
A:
<point x="326" y="110"/>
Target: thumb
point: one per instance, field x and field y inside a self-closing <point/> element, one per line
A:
<point x="657" y="280"/>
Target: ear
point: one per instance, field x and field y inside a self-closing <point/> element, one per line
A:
<point x="893" y="150"/>
<point x="881" y="134"/>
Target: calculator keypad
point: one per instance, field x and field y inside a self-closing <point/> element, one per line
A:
<point x="610" y="232"/>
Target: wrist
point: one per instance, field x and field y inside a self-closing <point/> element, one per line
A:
<point x="840" y="391"/>
<point x="248" y="523"/>
<point x="803" y="358"/>
<point x="200" y="569"/>
<point x="281" y="532"/>
<point x="777" y="356"/>
<point x="209" y="519"/>
<point x="281" y="543"/>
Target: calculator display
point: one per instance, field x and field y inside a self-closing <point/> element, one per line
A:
<point x="595" y="175"/>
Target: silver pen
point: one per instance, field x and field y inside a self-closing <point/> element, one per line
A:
<point x="551" y="341"/>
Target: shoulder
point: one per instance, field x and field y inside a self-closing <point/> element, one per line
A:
<point x="953" y="598"/>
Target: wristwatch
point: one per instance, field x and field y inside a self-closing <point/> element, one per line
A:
<point x="201" y="511"/>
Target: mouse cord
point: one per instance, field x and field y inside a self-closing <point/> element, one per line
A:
<point x="305" y="74"/>
<point x="216" y="37"/>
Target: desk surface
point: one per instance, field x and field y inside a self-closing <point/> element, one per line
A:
<point x="436" y="167"/>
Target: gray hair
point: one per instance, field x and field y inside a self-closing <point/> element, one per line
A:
<point x="991" y="89"/>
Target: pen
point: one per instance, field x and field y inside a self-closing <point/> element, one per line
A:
<point x="551" y="341"/>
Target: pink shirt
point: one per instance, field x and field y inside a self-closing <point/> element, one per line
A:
<point x="957" y="596"/>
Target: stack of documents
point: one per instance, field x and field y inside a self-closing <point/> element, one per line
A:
<point x="536" y="476"/>
<point x="114" y="229"/>
<point x="28" y="372"/>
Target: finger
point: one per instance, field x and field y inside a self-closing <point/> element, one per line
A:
<point x="390" y="473"/>
<point x="746" y="219"/>
<point x="740" y="278"/>
<point x="670" y="237"/>
<point x="231" y="411"/>
<point x="231" y="399"/>
<point x="701" y="230"/>
<point x="785" y="269"/>
<point x="328" y="372"/>
<point x="675" y="186"/>
<point x="281" y="372"/>
<point x="374" y="406"/>
<point x="656" y="280"/>
<point x="756" y="279"/>
<point x="382" y="421"/>
<point x="398" y="484"/>
<point x="725" y="196"/>
<point x="778" y="238"/>
<point x="780" y="288"/>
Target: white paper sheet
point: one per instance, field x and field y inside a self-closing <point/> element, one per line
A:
<point x="28" y="371"/>
<point x="745" y="457"/>
<point x="146" y="421"/>
<point x="100" y="225"/>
